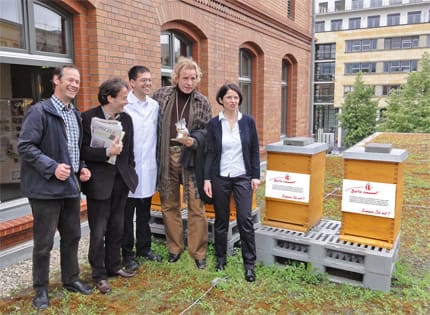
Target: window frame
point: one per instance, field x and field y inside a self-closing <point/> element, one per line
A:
<point x="393" y="19"/>
<point x="247" y="81"/>
<point x="354" y="23"/>
<point x="373" y="21"/>
<point x="336" y="25"/>
<point x="414" y="17"/>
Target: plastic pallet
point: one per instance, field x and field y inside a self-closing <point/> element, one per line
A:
<point x="344" y="262"/>
<point x="156" y="223"/>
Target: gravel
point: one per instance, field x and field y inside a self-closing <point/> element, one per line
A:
<point x="18" y="276"/>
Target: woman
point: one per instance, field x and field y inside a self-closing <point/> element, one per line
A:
<point x="232" y="166"/>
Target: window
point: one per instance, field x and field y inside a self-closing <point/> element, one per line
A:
<point x="319" y="26"/>
<point x="323" y="7"/>
<point x="325" y="51"/>
<point x="360" y="45"/>
<point x="31" y="27"/>
<point x="414" y="17"/>
<point x="284" y="97"/>
<point x="173" y="46"/>
<point x="395" y="2"/>
<point x="354" y="23"/>
<point x="375" y="3"/>
<point x="324" y="93"/>
<point x="401" y="42"/>
<point x="325" y="118"/>
<point x="245" y="80"/>
<point x="393" y="19"/>
<point x="339" y="5"/>
<point x="357" y="4"/>
<point x="373" y="21"/>
<point x="365" y="67"/>
<point x="324" y="71"/>
<point x="347" y="89"/>
<point x="400" y="66"/>
<point x="336" y="25"/>
<point x="388" y="89"/>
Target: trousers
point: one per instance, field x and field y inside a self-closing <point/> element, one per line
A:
<point x="50" y="215"/>
<point x="197" y="233"/>
<point x="222" y="188"/>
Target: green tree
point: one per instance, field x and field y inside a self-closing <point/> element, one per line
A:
<point x="358" y="116"/>
<point x="409" y="108"/>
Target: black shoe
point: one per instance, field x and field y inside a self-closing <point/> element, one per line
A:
<point x="78" y="286"/>
<point x="220" y="264"/>
<point x="173" y="257"/>
<point x="250" y="275"/>
<point x="201" y="263"/>
<point x="125" y="273"/>
<point x="40" y="300"/>
<point x="152" y="256"/>
<point x="131" y="265"/>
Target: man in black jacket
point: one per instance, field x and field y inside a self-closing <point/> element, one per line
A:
<point x="49" y="146"/>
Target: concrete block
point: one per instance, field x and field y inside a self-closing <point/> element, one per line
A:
<point x="378" y="147"/>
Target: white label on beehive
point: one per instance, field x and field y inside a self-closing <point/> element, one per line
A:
<point x="370" y="198"/>
<point x="288" y="186"/>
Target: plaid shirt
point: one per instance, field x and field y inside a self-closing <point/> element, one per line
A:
<point x="72" y="130"/>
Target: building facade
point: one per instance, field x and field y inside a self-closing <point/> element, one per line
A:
<point x="264" y="46"/>
<point x="382" y="39"/>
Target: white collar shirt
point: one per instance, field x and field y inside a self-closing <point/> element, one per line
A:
<point x="232" y="163"/>
<point x="144" y="115"/>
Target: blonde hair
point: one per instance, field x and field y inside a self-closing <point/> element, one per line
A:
<point x="186" y="63"/>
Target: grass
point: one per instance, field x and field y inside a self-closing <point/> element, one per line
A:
<point x="162" y="288"/>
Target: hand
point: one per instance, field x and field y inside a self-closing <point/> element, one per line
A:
<point x="115" y="147"/>
<point x="254" y="184"/>
<point x="84" y="175"/>
<point x="62" y="172"/>
<point x="186" y="141"/>
<point x="207" y="187"/>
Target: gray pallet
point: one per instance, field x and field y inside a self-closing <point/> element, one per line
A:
<point x="344" y="262"/>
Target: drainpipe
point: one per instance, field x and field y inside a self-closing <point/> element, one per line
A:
<point x="311" y="77"/>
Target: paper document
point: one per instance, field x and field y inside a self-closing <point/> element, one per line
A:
<point x="104" y="132"/>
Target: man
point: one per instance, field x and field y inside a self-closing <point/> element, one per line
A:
<point x="144" y="113"/>
<point x="49" y="146"/>
<point x="183" y="112"/>
<point x="108" y="188"/>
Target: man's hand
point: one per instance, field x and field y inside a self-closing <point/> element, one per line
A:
<point x="208" y="188"/>
<point x="84" y="175"/>
<point x="186" y="141"/>
<point x="115" y="147"/>
<point x="62" y="172"/>
<point x="254" y="184"/>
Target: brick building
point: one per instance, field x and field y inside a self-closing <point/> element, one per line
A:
<point x="265" y="46"/>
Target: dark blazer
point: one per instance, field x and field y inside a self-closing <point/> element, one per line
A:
<point x="103" y="174"/>
<point x="250" y="147"/>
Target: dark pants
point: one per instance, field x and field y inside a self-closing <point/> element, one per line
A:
<point x="106" y="221"/>
<point x="50" y="214"/>
<point x="143" y="230"/>
<point x="240" y="186"/>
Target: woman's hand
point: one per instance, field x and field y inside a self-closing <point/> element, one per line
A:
<point x="254" y="184"/>
<point x="207" y="187"/>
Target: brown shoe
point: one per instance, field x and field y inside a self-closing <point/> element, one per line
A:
<point x="125" y="273"/>
<point x="103" y="286"/>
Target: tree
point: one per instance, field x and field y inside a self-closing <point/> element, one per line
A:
<point x="358" y="116"/>
<point x="409" y="108"/>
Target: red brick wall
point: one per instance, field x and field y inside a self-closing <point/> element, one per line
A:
<point x="120" y="34"/>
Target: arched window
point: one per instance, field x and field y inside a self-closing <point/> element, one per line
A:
<point x="284" y="98"/>
<point x="173" y="45"/>
<point x="30" y="27"/>
<point x="245" y="80"/>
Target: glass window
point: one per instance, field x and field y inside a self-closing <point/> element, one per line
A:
<point x="323" y="7"/>
<point x="360" y="45"/>
<point x="336" y="25"/>
<point x="245" y="80"/>
<point x="400" y="66"/>
<point x="401" y="42"/>
<point x="395" y="2"/>
<point x="373" y="21"/>
<point x="173" y="45"/>
<point x="319" y="26"/>
<point x="35" y="28"/>
<point x="393" y="19"/>
<point x="365" y="67"/>
<point x="347" y="89"/>
<point x="414" y="17"/>
<point x="325" y="119"/>
<point x="12" y="24"/>
<point x="324" y="93"/>
<point x="325" y="51"/>
<point x="339" y="5"/>
<point x="324" y="71"/>
<point x="388" y="89"/>
<point x="354" y="23"/>
<point x="357" y="4"/>
<point x="375" y="3"/>
<point x="284" y="98"/>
